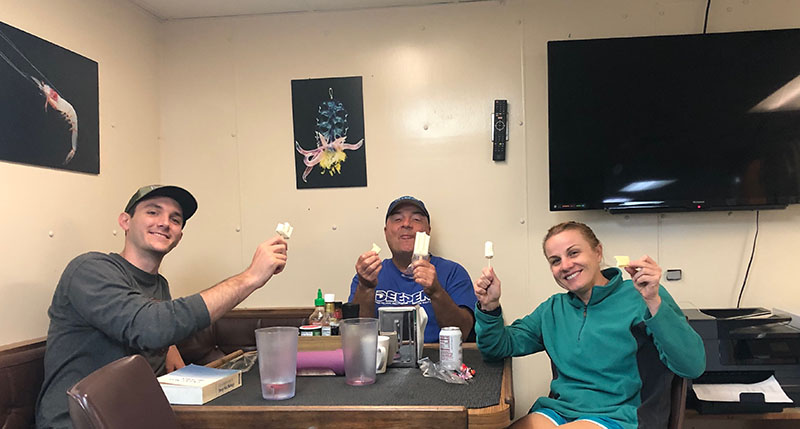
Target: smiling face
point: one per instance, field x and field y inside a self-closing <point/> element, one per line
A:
<point x="402" y="227"/>
<point x="155" y="227"/>
<point x="575" y="264"/>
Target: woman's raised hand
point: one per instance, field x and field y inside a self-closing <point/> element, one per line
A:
<point x="487" y="289"/>
<point x="646" y="274"/>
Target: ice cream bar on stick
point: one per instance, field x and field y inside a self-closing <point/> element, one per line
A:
<point x="421" y="243"/>
<point x="488" y="252"/>
<point x="285" y="230"/>
<point x="375" y="248"/>
<point x="622" y="261"/>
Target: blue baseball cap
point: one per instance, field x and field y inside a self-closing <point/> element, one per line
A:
<point x="407" y="199"/>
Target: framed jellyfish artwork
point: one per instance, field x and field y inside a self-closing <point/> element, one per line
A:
<point x="329" y="148"/>
<point x="49" y="113"/>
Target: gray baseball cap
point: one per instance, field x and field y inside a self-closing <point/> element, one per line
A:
<point x="182" y="196"/>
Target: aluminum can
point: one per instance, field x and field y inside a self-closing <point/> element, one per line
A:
<point x="450" y="347"/>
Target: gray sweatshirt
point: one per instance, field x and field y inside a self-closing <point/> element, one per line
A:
<point x="105" y="308"/>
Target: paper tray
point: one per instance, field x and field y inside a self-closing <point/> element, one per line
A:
<point x="749" y="404"/>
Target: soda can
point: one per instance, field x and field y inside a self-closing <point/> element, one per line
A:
<point x="450" y="347"/>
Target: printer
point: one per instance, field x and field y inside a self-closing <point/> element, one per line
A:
<point x="747" y="345"/>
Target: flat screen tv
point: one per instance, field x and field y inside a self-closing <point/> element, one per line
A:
<point x="675" y="123"/>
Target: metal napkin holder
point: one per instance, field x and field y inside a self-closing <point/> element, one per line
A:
<point x="405" y="322"/>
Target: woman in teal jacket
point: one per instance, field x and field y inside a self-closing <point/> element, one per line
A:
<point x="606" y="337"/>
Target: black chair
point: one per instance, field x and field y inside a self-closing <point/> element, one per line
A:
<point x="677" y="407"/>
<point x="654" y="391"/>
<point x="124" y="394"/>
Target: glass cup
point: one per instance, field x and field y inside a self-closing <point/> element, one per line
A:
<point x="277" y="361"/>
<point x="360" y="346"/>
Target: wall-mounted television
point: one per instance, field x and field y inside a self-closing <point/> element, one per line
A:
<point x="675" y="123"/>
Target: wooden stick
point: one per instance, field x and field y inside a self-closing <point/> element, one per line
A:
<point x="219" y="362"/>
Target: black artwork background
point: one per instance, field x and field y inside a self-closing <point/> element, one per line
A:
<point x="29" y="134"/>
<point x="307" y="94"/>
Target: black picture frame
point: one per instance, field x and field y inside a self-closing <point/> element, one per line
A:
<point x="34" y="131"/>
<point x="328" y="116"/>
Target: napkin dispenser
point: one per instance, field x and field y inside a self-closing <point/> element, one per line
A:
<point x="408" y="323"/>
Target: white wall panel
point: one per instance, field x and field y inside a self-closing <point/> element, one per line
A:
<point x="80" y="209"/>
<point x="428" y="96"/>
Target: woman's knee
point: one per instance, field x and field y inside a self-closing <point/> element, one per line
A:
<point x="533" y="421"/>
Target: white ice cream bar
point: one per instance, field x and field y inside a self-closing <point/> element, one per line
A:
<point x="375" y="248"/>
<point x="622" y="261"/>
<point x="488" y="250"/>
<point x="421" y="242"/>
<point x="285" y="230"/>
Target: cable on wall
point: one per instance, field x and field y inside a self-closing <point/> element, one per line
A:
<point x="705" y="22"/>
<point x="747" y="272"/>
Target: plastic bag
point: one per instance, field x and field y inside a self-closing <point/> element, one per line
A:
<point x="243" y="362"/>
<point x="432" y="369"/>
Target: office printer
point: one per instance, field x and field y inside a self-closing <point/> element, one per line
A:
<point x="747" y="345"/>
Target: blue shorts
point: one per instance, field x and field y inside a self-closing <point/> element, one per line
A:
<point x="558" y="419"/>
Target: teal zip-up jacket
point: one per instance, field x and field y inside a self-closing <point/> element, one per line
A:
<point x="602" y="353"/>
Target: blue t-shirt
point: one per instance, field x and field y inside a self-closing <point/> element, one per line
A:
<point x="396" y="289"/>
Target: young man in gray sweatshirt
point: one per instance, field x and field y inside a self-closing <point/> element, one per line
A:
<point x="107" y="306"/>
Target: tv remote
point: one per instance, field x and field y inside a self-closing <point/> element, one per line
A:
<point x="499" y="130"/>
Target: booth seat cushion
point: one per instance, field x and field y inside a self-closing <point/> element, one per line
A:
<point x="236" y="331"/>
<point x="21" y="377"/>
<point x="235" y="334"/>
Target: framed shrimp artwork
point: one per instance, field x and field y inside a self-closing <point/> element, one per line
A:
<point x="329" y="147"/>
<point x="49" y="113"/>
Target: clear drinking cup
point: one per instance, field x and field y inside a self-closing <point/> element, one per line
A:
<point x="359" y="343"/>
<point x="277" y="361"/>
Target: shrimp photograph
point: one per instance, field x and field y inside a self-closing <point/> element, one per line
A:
<point x="329" y="132"/>
<point x="49" y="113"/>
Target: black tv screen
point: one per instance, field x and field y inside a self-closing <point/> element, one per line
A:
<point x="675" y="123"/>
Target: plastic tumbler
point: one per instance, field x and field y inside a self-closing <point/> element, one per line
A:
<point x="359" y="343"/>
<point x="277" y="361"/>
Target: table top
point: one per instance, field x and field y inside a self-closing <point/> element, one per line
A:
<point x="290" y="414"/>
<point x="398" y="386"/>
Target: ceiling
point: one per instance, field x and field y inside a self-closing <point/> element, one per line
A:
<point x="187" y="9"/>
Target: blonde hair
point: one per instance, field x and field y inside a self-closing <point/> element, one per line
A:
<point x="584" y="229"/>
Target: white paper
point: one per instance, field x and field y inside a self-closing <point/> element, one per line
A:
<point x="730" y="392"/>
